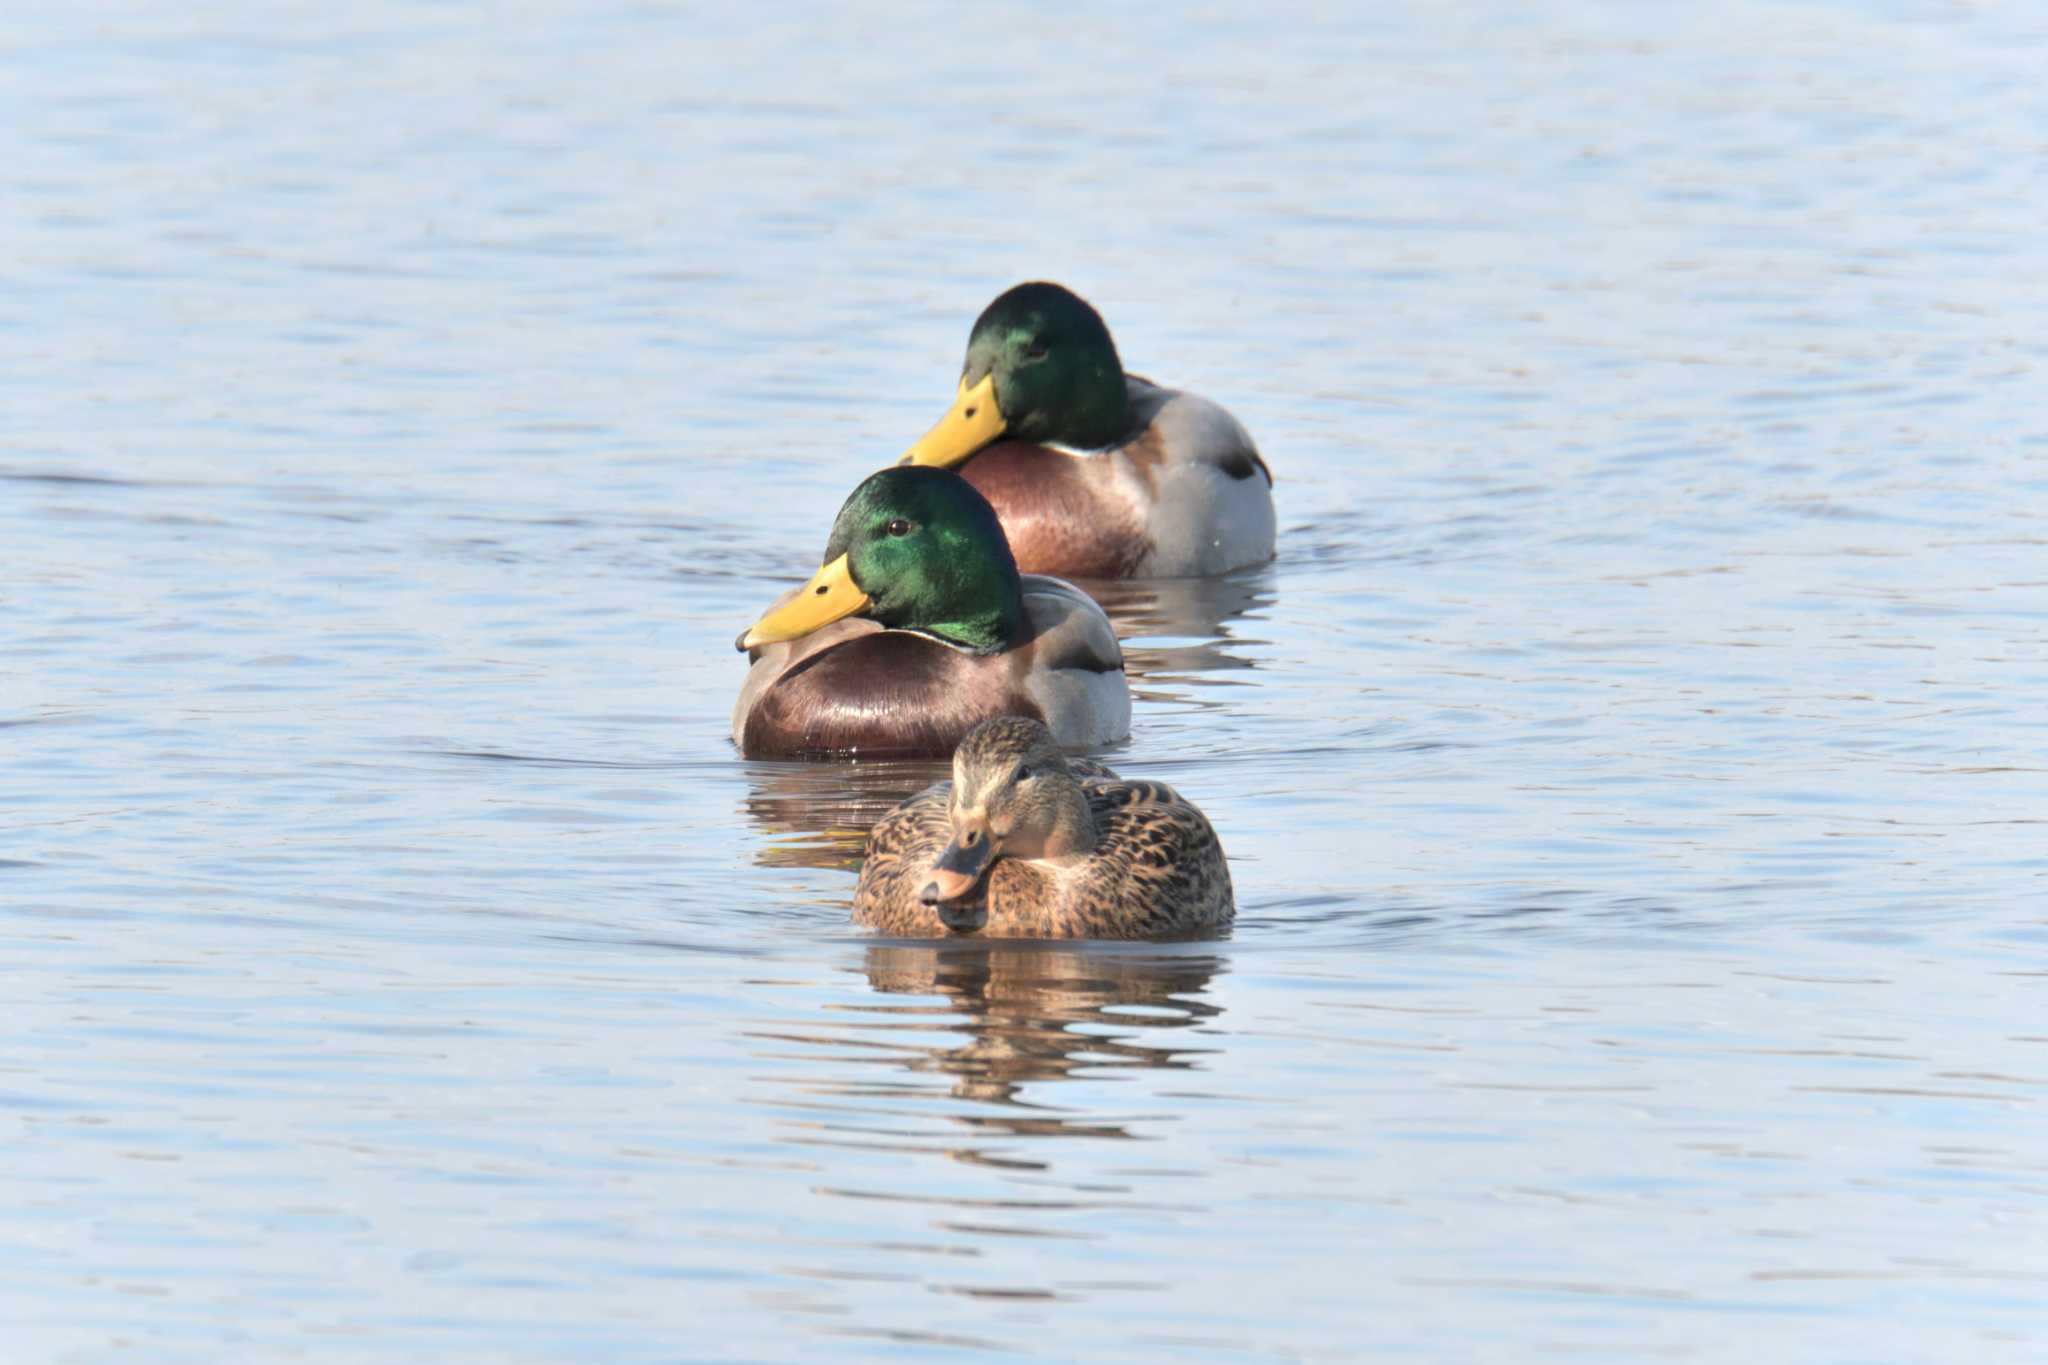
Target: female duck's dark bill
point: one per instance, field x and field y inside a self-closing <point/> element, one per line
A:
<point x="959" y="869"/>
<point x="830" y="594"/>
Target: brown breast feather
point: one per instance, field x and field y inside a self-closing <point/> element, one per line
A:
<point x="892" y="693"/>
<point x="1060" y="512"/>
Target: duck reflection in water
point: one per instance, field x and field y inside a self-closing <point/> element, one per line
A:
<point x="1195" y="614"/>
<point x="819" y="814"/>
<point x="1020" y="1005"/>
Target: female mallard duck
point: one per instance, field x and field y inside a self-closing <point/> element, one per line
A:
<point x="1025" y="843"/>
<point x="1094" y="472"/>
<point x="917" y="628"/>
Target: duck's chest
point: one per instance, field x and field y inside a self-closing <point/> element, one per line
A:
<point x="1031" y="900"/>
<point x="1073" y="516"/>
<point x="888" y="694"/>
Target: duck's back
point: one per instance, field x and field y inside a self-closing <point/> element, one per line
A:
<point x="1072" y="671"/>
<point x="1158" y="870"/>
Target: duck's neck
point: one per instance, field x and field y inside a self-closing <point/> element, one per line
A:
<point x="1097" y="415"/>
<point x="989" y="623"/>
<point x="965" y="592"/>
<point x="1073" y="827"/>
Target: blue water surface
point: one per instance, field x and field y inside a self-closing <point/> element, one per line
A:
<point x="1632" y="766"/>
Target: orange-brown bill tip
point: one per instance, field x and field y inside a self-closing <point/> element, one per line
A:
<point x="947" y="885"/>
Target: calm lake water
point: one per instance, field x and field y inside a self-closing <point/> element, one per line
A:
<point x="1632" y="767"/>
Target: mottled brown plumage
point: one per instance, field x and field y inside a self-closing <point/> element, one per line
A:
<point x="1027" y="843"/>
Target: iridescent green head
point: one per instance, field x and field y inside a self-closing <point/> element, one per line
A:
<point x="915" y="549"/>
<point x="1040" y="367"/>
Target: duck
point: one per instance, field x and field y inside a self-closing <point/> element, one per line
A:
<point x="916" y="628"/>
<point x="1024" y="842"/>
<point x="1096" y="473"/>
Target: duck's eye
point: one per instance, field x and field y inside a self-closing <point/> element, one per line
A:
<point x="1024" y="774"/>
<point x="1035" y="351"/>
<point x="898" y="527"/>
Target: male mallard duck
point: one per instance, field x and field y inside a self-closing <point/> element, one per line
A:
<point x="1025" y="843"/>
<point x="1094" y="472"/>
<point x="917" y="628"/>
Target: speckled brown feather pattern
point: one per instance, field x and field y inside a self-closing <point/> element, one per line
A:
<point x="1157" y="870"/>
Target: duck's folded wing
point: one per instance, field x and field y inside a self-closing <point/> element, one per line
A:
<point x="1069" y="629"/>
<point x="1072" y="669"/>
<point x="1190" y="427"/>
<point x="1157" y="855"/>
<point x="900" y="852"/>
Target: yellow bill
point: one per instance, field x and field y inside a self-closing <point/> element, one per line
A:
<point x="971" y="423"/>
<point x="829" y="595"/>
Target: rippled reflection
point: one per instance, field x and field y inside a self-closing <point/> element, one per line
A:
<point x="1175" y="626"/>
<point x="978" y="1054"/>
<point x="1018" y="1019"/>
<point x="1024" y="1010"/>
<point x="819" y="814"/>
